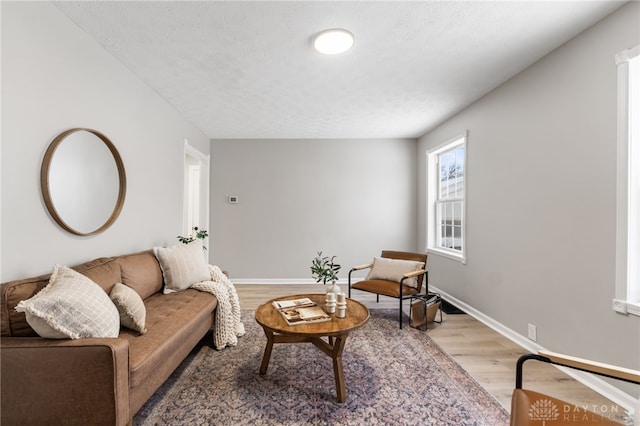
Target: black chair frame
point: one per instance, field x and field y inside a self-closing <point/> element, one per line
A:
<point x="425" y="284"/>
<point x="526" y="357"/>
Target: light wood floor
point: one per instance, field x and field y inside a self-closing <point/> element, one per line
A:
<point x="488" y="356"/>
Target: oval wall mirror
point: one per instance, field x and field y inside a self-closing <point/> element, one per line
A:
<point x="83" y="181"/>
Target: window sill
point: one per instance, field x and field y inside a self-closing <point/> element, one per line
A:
<point x="624" y="307"/>
<point x="447" y="254"/>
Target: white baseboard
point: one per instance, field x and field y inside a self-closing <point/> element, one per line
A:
<point x="287" y="281"/>
<point x="517" y="338"/>
<point x="605" y="389"/>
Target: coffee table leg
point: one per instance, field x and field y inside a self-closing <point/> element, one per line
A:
<point x="338" y="371"/>
<point x="267" y="352"/>
<point x="334" y="350"/>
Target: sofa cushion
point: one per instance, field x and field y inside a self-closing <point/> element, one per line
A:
<point x="103" y="271"/>
<point x="141" y="272"/>
<point x="73" y="305"/>
<point x="175" y="323"/>
<point x="393" y="269"/>
<point x="182" y="265"/>
<point x="14" y="323"/>
<point x="130" y="306"/>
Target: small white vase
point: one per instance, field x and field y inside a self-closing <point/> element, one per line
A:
<point x="333" y="288"/>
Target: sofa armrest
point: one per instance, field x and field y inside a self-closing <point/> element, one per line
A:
<point x="71" y="382"/>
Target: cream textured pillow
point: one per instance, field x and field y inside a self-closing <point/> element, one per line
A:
<point x="393" y="269"/>
<point x="131" y="307"/>
<point x="43" y="329"/>
<point x="72" y="306"/>
<point x="182" y="266"/>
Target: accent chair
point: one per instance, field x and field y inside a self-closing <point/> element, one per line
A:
<point x="396" y="274"/>
<point x="529" y="408"/>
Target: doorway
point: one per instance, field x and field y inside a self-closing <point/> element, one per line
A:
<point x="196" y="191"/>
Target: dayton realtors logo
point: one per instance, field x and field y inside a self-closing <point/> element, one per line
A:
<point x="545" y="410"/>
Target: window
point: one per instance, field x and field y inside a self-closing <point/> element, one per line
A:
<point x="627" y="295"/>
<point x="446" y="176"/>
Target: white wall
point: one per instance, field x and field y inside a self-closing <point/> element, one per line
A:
<point x="350" y="198"/>
<point x="542" y="199"/>
<point x="55" y="77"/>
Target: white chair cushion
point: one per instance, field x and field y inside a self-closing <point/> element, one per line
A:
<point x="393" y="269"/>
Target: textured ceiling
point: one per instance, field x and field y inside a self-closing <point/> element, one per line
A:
<point x="246" y="69"/>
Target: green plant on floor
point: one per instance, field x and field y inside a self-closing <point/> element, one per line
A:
<point x="324" y="269"/>
<point x="199" y="234"/>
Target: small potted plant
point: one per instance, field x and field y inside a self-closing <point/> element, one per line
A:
<point x="200" y="234"/>
<point x="324" y="269"/>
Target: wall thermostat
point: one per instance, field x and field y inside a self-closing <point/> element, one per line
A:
<point x="233" y="199"/>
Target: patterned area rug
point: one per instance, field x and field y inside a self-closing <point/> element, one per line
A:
<point x="393" y="377"/>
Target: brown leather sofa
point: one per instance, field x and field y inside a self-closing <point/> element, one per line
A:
<point x="97" y="381"/>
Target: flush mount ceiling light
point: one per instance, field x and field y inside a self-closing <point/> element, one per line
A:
<point x="333" y="42"/>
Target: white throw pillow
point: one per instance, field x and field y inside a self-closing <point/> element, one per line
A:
<point x="393" y="269"/>
<point x="43" y="329"/>
<point x="71" y="306"/>
<point x="130" y="306"/>
<point x="182" y="266"/>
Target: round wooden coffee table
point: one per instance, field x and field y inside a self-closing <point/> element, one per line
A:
<point x="336" y="331"/>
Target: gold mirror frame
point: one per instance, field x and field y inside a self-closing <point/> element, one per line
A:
<point x="46" y="190"/>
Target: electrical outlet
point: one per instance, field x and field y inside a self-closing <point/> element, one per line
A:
<point x="532" y="332"/>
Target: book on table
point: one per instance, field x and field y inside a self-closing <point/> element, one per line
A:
<point x="297" y="303"/>
<point x="300" y="311"/>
